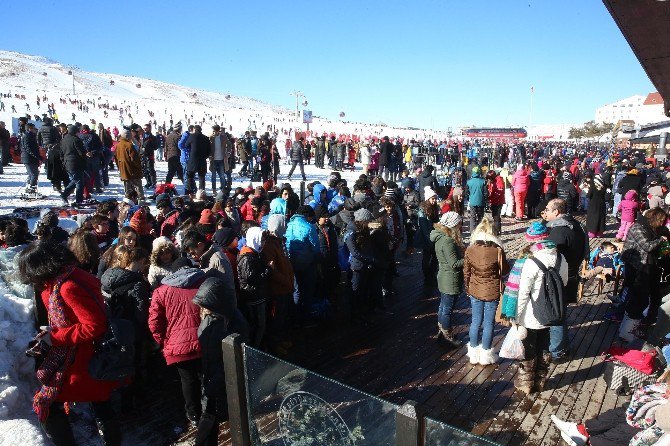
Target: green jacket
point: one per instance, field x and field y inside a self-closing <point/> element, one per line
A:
<point x="450" y="258"/>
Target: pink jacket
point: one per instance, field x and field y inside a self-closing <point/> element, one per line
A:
<point x="520" y="181"/>
<point x="629" y="206"/>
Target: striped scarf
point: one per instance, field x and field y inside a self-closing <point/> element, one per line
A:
<point x="51" y="373"/>
<point x="511" y="293"/>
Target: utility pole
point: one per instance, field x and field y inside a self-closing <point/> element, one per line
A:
<point x="298" y="94"/>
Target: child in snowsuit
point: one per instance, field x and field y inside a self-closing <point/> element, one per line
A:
<point x="629" y="208"/>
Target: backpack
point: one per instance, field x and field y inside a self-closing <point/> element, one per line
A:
<point x="114" y="355"/>
<point x="551" y="304"/>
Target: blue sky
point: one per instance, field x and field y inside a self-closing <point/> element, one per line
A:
<point x="420" y="63"/>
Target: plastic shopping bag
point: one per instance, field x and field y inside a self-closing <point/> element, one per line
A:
<point x="512" y="347"/>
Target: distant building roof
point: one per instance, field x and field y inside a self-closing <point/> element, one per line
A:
<point x="653" y="99"/>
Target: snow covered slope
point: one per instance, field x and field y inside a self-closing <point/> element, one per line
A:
<point x="31" y="76"/>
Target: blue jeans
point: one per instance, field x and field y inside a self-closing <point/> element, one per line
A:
<point x="33" y="171"/>
<point x="218" y="169"/>
<point x="76" y="183"/>
<point x="483" y="315"/>
<point x="558" y="339"/>
<point x="444" y="310"/>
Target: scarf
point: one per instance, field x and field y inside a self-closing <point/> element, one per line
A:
<point x="511" y="293"/>
<point x="51" y="373"/>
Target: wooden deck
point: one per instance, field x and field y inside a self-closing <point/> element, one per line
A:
<point x="397" y="358"/>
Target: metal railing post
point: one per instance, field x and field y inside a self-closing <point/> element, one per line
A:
<point x="233" y="365"/>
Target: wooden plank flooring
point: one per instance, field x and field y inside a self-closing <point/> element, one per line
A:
<point x="397" y="358"/>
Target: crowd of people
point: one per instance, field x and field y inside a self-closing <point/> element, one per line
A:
<point x="187" y="269"/>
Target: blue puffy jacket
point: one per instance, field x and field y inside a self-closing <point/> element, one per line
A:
<point x="302" y="243"/>
<point x="185" y="150"/>
<point x="316" y="191"/>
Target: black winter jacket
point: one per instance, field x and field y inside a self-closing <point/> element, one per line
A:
<point x="200" y="150"/>
<point x="30" y="151"/>
<point x="254" y="276"/>
<point x="127" y="294"/>
<point x="223" y="320"/>
<point x="171" y="145"/>
<point x="48" y="135"/>
<point x="74" y="155"/>
<point x="296" y="152"/>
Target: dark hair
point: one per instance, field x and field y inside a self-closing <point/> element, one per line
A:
<point x="656" y="218"/>
<point x="191" y="239"/>
<point x="246" y="224"/>
<point x="106" y="207"/>
<point x="98" y="219"/>
<point x="305" y="210"/>
<point x="15" y="234"/>
<point x="605" y="245"/>
<point x="559" y="205"/>
<point x="42" y="261"/>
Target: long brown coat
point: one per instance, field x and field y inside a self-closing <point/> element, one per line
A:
<point x="128" y="159"/>
<point x="484" y="261"/>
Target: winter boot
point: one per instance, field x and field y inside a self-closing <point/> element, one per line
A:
<point x="447" y="335"/>
<point x="542" y="371"/>
<point x="525" y="377"/>
<point x="474" y="353"/>
<point x="627" y="328"/>
<point x="487" y="357"/>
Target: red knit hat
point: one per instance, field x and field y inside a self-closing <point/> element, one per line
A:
<point x="139" y="222"/>
<point x="207" y="217"/>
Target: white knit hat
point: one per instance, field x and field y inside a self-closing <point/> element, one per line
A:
<point x="428" y="193"/>
<point x="450" y="219"/>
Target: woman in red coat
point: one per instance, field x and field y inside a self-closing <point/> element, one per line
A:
<point x="65" y="347"/>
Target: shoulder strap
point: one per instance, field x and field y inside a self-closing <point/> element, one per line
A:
<point x="539" y="264"/>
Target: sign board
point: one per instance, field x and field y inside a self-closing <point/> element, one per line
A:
<point x="307" y="116"/>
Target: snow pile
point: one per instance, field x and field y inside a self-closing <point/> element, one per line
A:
<point x="18" y="424"/>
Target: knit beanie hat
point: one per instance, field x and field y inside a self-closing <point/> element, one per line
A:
<point x="450" y="219"/>
<point x="207" y="217"/>
<point x="536" y="231"/>
<point x="139" y="222"/>
<point x="428" y="193"/>
<point x="362" y="215"/>
<point x="406" y="183"/>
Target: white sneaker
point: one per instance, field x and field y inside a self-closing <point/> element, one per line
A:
<point x="473" y="353"/>
<point x="570" y="432"/>
<point x="487" y="357"/>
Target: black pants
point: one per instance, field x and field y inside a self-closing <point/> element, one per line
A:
<point x="639" y="283"/>
<point x="536" y="343"/>
<point x="497" y="222"/>
<point x="58" y="429"/>
<point x="189" y="373"/>
<point x="174" y="168"/>
<point x="429" y="266"/>
<point x="149" y="170"/>
<point x="302" y="169"/>
<point x="476" y="216"/>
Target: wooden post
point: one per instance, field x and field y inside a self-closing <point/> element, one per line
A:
<point x="238" y="416"/>
<point x="407" y="425"/>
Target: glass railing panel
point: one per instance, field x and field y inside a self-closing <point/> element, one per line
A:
<point x="291" y="406"/>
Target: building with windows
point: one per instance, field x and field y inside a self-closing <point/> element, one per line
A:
<point x="638" y="108"/>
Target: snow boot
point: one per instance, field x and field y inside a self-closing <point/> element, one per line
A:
<point x="627" y="328"/>
<point x="474" y="353"/>
<point x="525" y="377"/>
<point x="542" y="371"/>
<point x="487" y="357"/>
